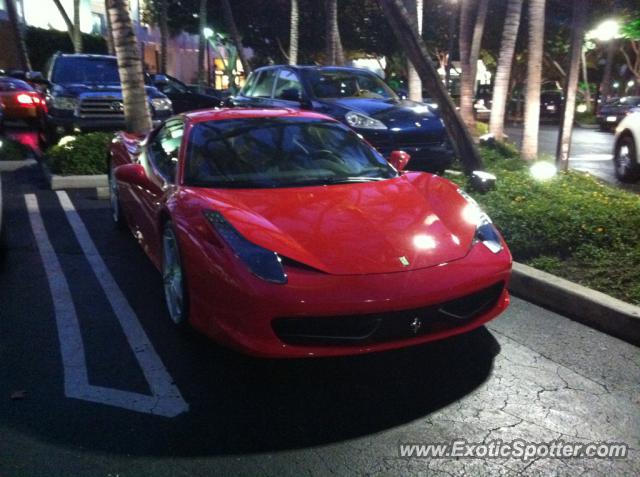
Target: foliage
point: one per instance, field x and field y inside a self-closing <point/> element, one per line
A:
<point x="41" y="44"/>
<point x="11" y="150"/>
<point x="573" y="225"/>
<point x="80" y="155"/>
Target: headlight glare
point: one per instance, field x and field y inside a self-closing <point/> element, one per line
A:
<point x="261" y="262"/>
<point x="486" y="232"/>
<point x="362" y="121"/>
<point x="161" y="104"/>
<point x="64" y="102"/>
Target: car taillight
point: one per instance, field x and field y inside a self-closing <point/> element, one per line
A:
<point x="24" y="98"/>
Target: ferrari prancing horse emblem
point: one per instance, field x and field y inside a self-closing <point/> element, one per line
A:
<point x="404" y="261"/>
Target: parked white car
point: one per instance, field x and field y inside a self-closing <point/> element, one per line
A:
<point x="627" y="145"/>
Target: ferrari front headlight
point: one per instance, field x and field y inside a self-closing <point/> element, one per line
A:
<point x="486" y="233"/>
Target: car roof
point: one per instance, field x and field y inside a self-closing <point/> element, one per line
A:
<point x="84" y="55"/>
<point x="250" y="113"/>
<point x="317" y="68"/>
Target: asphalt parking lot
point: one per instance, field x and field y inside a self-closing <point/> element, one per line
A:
<point x="96" y="381"/>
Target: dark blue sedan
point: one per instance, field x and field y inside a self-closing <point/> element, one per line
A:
<point x="359" y="99"/>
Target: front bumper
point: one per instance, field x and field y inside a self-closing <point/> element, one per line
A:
<point x="70" y="124"/>
<point x="244" y="313"/>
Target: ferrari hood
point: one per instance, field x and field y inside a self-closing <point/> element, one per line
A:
<point x="410" y="222"/>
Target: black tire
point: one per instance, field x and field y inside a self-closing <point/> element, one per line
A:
<point x="625" y="160"/>
<point x="114" y="200"/>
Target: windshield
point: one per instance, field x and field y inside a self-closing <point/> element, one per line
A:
<point x="349" y="84"/>
<point x="279" y="152"/>
<point x="85" y="70"/>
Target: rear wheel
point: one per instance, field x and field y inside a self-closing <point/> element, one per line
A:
<point x="626" y="160"/>
<point x="173" y="277"/>
<point x="114" y="199"/>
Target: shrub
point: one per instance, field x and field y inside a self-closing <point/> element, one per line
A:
<point x="80" y="155"/>
<point x="11" y="150"/>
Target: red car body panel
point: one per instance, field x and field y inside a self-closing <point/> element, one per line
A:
<point x="341" y="246"/>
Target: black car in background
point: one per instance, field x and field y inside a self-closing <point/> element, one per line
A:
<point x="359" y="99"/>
<point x="610" y="114"/>
<point x="185" y="98"/>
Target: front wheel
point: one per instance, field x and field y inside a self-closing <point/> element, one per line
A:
<point x="626" y="160"/>
<point x="173" y="277"/>
<point x="114" y="199"/>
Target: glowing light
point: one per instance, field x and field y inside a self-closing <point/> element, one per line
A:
<point x="582" y="108"/>
<point x="24" y="98"/>
<point x="631" y="83"/>
<point x="543" y="171"/>
<point x="207" y="32"/>
<point x="66" y="140"/>
<point x="424" y="242"/>
<point x="606" y="31"/>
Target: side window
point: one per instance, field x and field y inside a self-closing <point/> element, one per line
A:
<point x="264" y="85"/>
<point x="173" y="87"/>
<point x="288" y="85"/>
<point x="165" y="149"/>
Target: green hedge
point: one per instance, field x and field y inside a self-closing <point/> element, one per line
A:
<point x="574" y="225"/>
<point x="42" y="44"/>
<point x="11" y="150"/>
<point x="80" y="155"/>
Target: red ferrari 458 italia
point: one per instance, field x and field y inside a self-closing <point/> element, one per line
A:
<point x="282" y="233"/>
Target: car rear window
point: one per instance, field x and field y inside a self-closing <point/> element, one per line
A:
<point x="14" y="85"/>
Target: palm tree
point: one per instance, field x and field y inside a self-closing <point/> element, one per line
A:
<point x="503" y="74"/>
<point x="406" y="31"/>
<point x="580" y="7"/>
<point x="235" y="36"/>
<point x="415" y="8"/>
<point x="110" y="47"/>
<point x="18" y="36"/>
<point x="466" y="81"/>
<point x="73" y="27"/>
<point x="136" y="109"/>
<point x="164" y="34"/>
<point x="334" y="51"/>
<point x="293" y="33"/>
<point x="202" y="46"/>
<point x="534" y="80"/>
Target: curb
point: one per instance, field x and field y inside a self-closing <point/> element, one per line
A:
<point x="57" y="182"/>
<point x="10" y="166"/>
<point x="584" y="305"/>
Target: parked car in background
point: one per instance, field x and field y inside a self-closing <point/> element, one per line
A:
<point x="282" y="233"/>
<point x="184" y="98"/>
<point x="84" y="93"/>
<point x="22" y="102"/>
<point x="610" y="114"/>
<point x="626" y="159"/>
<point x="359" y="99"/>
<point x="551" y="103"/>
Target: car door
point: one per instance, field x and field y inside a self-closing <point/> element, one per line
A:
<point x="287" y="92"/>
<point x="179" y="94"/>
<point x="258" y="93"/>
<point x="161" y="154"/>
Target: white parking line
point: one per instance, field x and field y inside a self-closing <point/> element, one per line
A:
<point x="592" y="157"/>
<point x="165" y="399"/>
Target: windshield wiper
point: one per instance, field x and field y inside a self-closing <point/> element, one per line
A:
<point x="337" y="180"/>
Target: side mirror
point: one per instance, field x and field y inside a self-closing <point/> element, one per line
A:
<point x="160" y="80"/>
<point x="133" y="174"/>
<point x="399" y="159"/>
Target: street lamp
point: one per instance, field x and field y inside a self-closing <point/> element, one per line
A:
<point x="606" y="32"/>
<point x="208" y="33"/>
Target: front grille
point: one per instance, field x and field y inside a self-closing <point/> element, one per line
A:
<point x="383" y="327"/>
<point x="101" y="108"/>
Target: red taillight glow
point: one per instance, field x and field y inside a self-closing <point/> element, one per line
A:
<point x="26" y="99"/>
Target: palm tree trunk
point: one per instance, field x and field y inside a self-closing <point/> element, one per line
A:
<point x="235" y="36"/>
<point x="534" y="80"/>
<point x="580" y="7"/>
<point x="203" y="45"/>
<point x="466" y="81"/>
<point x="293" y="33"/>
<point x="334" y="51"/>
<point x="415" y="8"/>
<point x="68" y="22"/>
<point x="136" y="108"/>
<point x="77" y="32"/>
<point x="109" y="38"/>
<point x="18" y="36"/>
<point x="503" y="74"/>
<point x="476" y="41"/>
<point x="585" y="79"/>
<point x="406" y="31"/>
<point x="164" y="36"/>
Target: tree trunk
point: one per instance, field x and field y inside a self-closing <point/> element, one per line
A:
<point x="534" y="80"/>
<point x="476" y="41"/>
<point x="406" y="31"/>
<point x="580" y="7"/>
<point x="503" y="74"/>
<point x="164" y="36"/>
<point x="235" y="36"/>
<point x="585" y="79"/>
<point x="293" y="33"/>
<point x="68" y="22"/>
<point x="18" y="36"/>
<point x="334" y="51"/>
<point x="415" y="9"/>
<point x="136" y="108"/>
<point x="109" y="38"/>
<point x="77" y="32"/>
<point x="466" y="81"/>
<point x="203" y="45"/>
